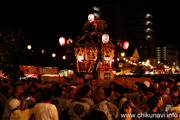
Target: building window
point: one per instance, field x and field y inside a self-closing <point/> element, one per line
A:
<point x="148" y="30"/>
<point x="148" y="15"/>
<point x="148" y="23"/>
<point x="148" y="37"/>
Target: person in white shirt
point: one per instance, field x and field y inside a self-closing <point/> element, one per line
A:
<point x="45" y="110"/>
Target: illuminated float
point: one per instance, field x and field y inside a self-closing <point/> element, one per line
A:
<point x="94" y="51"/>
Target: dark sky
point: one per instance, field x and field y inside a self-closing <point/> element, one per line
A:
<point x="52" y="19"/>
<point x="49" y="20"/>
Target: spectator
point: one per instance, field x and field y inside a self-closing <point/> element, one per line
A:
<point x="17" y="94"/>
<point x="62" y="104"/>
<point x="79" y="108"/>
<point x="129" y="108"/>
<point x="88" y="98"/>
<point x="119" y="91"/>
<point x="45" y="110"/>
<point x="153" y="103"/>
<point x="96" y="115"/>
<point x="18" y="110"/>
<point x="173" y="98"/>
<point x="109" y="109"/>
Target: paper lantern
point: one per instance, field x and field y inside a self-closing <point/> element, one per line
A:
<point x="91" y="17"/>
<point x="62" y="41"/>
<point x="105" y="38"/>
<point x="125" y="45"/>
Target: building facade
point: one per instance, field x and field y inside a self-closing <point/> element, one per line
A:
<point x="169" y="55"/>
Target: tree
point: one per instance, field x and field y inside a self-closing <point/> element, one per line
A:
<point x="17" y="54"/>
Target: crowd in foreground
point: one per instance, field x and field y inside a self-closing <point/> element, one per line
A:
<point x="37" y="100"/>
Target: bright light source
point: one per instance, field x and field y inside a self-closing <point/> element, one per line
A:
<point x="122" y="54"/>
<point x="42" y="51"/>
<point x="148" y="15"/>
<point x="105" y="38"/>
<point x="91" y="18"/>
<point x="62" y="41"/>
<point x="63" y="57"/>
<point x="148" y="37"/>
<point x="125" y="45"/>
<point x="148" y="23"/>
<point x="69" y="41"/>
<point x="148" y="30"/>
<point x="96" y="8"/>
<point x="80" y="58"/>
<point x="53" y="54"/>
<point x="29" y="47"/>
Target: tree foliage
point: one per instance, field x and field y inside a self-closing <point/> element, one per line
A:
<point x="17" y="54"/>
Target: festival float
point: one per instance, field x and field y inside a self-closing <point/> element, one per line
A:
<point x="94" y="51"/>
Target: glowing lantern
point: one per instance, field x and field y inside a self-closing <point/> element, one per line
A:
<point x="80" y="58"/>
<point x="105" y="38"/>
<point x="125" y="45"/>
<point x="91" y="17"/>
<point x="54" y="55"/>
<point x="62" y="41"/>
<point x="29" y="47"/>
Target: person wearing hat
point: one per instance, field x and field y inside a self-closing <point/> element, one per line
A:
<point x="18" y="112"/>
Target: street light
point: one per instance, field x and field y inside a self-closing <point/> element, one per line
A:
<point x="53" y="54"/>
<point x="63" y="57"/>
<point x="29" y="47"/>
<point x="122" y="54"/>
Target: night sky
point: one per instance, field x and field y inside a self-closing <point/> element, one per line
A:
<point x="49" y="20"/>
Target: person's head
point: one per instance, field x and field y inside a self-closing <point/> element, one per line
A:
<point x="112" y="85"/>
<point x="57" y="92"/>
<point x="161" y="90"/>
<point x="32" y="89"/>
<point x="64" y="88"/>
<point x="14" y="104"/>
<point x="18" y="90"/>
<point x="142" y="88"/>
<point x="93" y="82"/>
<point x="98" y="94"/>
<point x="154" y="102"/>
<point x="167" y="90"/>
<point x="175" y="91"/>
<point x="4" y="90"/>
<point x="54" y="85"/>
<point x="89" y="92"/>
<point x="135" y="86"/>
<point x="118" y="90"/>
<point x="46" y="94"/>
<point x="126" y="108"/>
<point x="156" y="85"/>
<point x="82" y="93"/>
<point x="151" y="92"/>
<point x="107" y="92"/>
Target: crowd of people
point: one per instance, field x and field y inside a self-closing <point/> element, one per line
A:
<point x="158" y="98"/>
